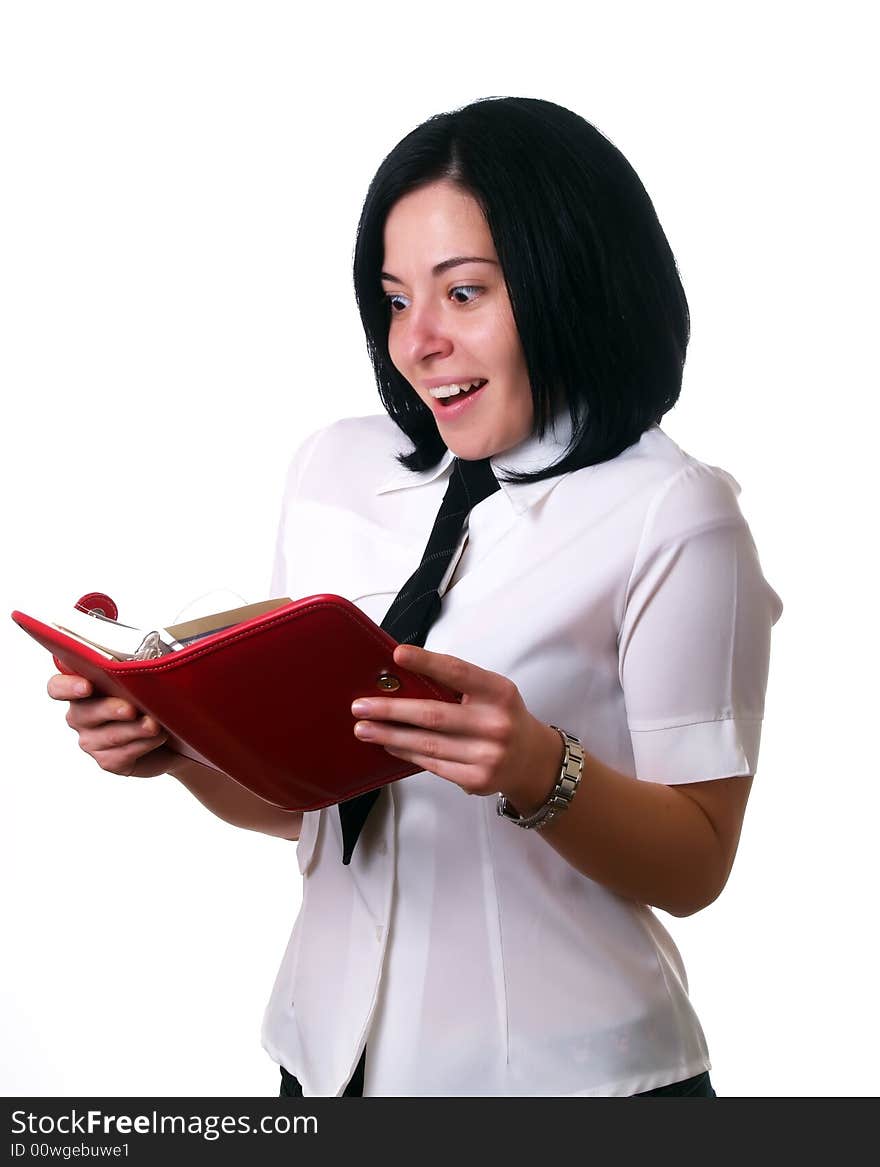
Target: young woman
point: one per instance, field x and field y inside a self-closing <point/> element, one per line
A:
<point x="602" y="611"/>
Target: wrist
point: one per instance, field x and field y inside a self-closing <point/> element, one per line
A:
<point x="543" y="771"/>
<point x="569" y="771"/>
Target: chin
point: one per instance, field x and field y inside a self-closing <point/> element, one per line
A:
<point x="472" y="447"/>
<point x="469" y="449"/>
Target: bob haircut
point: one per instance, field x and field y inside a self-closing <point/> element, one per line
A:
<point x="595" y="292"/>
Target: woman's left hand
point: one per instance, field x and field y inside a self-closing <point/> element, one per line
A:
<point x="489" y="743"/>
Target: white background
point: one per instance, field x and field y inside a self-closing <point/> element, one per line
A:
<point x="181" y="184"/>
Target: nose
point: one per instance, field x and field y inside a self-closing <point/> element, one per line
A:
<point x="423" y="334"/>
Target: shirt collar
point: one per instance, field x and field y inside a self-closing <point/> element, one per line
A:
<point x="530" y="455"/>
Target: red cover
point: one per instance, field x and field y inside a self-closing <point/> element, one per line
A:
<point x="267" y="702"/>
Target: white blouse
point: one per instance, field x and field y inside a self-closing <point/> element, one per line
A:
<point x="627" y="603"/>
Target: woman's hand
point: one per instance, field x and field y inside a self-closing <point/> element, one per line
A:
<point x="119" y="737"/>
<point x="489" y="743"/>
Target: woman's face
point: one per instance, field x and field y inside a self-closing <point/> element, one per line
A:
<point x="451" y="321"/>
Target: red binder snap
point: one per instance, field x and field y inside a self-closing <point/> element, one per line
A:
<point x="99" y="603"/>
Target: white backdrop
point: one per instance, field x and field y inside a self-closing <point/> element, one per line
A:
<point x="181" y="184"/>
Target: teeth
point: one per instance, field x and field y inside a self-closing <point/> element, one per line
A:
<point x="452" y="390"/>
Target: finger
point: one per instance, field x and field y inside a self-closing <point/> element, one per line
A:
<point x="438" y="746"/>
<point x="114" y="735"/>
<point x="124" y="759"/>
<point x="66" y="687"/>
<point x="457" y="674"/>
<point x="459" y="773"/>
<point x="437" y="715"/>
<point x="98" y="710"/>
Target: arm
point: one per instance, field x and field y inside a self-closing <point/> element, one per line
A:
<point x="668" y="846"/>
<point x="233" y="803"/>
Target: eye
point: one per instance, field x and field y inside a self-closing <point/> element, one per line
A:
<point x="397" y="302"/>
<point x="466" y="293"/>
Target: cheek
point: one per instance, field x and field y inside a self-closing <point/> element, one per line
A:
<point x="514" y="362"/>
<point x="507" y="342"/>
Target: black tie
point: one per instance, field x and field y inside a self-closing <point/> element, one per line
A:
<point x="417" y="604"/>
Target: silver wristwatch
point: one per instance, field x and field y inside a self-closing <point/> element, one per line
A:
<point x="563" y="792"/>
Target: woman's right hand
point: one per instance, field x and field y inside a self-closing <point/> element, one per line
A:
<point x="118" y="736"/>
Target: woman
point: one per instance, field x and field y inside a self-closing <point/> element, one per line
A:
<point x="603" y="613"/>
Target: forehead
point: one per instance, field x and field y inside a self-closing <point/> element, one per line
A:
<point x="434" y="222"/>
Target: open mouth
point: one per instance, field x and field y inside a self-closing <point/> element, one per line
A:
<point x="462" y="393"/>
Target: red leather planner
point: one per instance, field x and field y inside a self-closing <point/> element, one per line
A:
<point x="267" y="702"/>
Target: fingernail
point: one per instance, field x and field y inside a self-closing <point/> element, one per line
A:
<point x="121" y="710"/>
<point x="363" y="730"/>
<point x="81" y="689"/>
<point x="360" y="708"/>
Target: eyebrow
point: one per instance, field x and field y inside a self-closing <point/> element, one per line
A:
<point x="443" y="266"/>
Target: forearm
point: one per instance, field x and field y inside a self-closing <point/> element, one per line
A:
<point x="233" y="803"/>
<point x="644" y="840"/>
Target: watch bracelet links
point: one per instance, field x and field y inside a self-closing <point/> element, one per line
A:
<point x="570" y="774"/>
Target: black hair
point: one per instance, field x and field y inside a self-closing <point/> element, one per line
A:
<point x="595" y="292"/>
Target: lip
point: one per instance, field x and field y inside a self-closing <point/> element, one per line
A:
<point x="459" y="406"/>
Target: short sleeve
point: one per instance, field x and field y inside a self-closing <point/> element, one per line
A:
<point x="694" y="646"/>
<point x="282" y="584"/>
